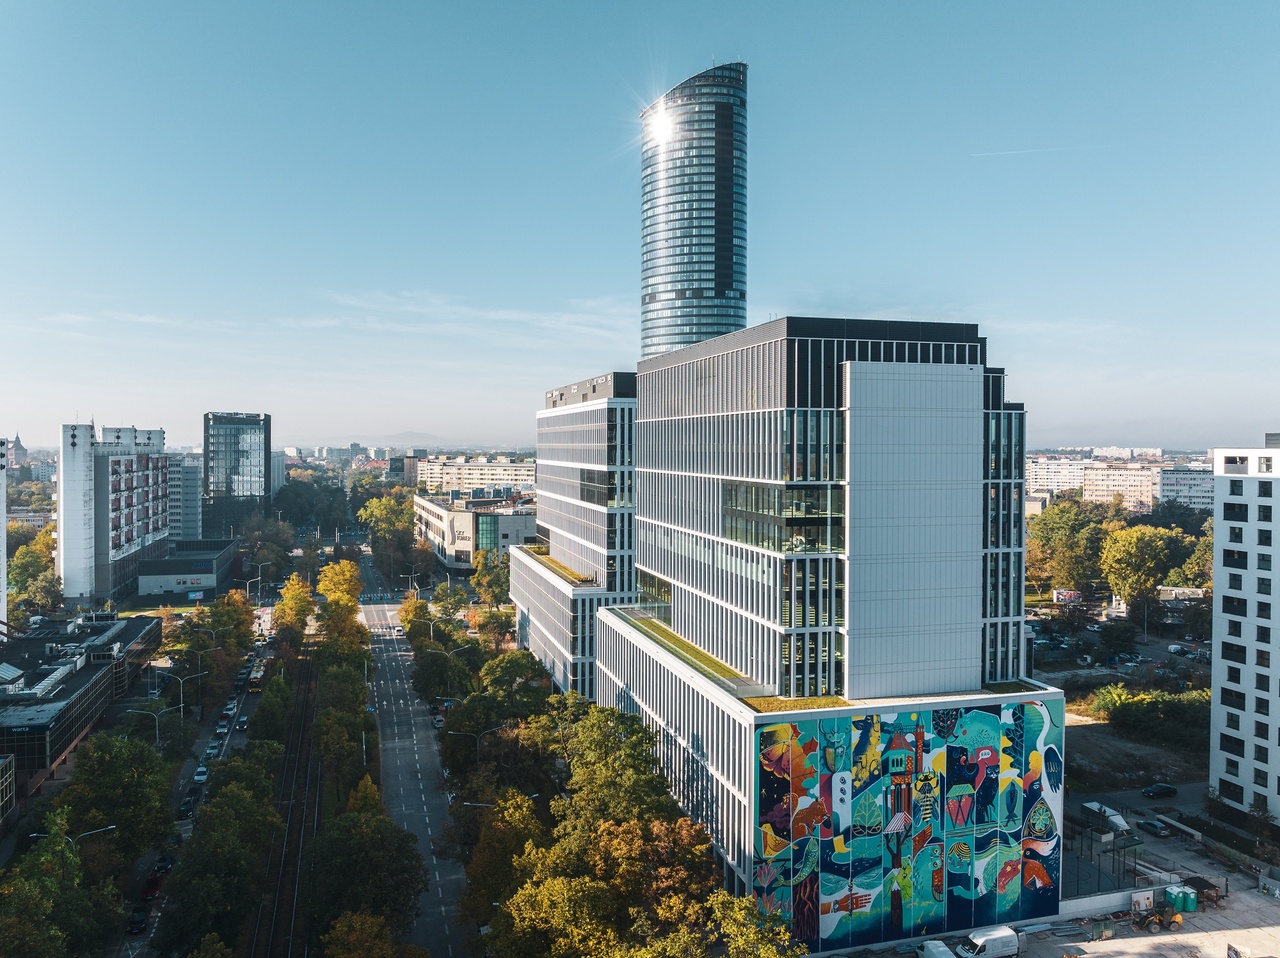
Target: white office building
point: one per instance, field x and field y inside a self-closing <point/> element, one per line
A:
<point x="458" y="530"/>
<point x="113" y="497"/>
<point x="186" y="477"/>
<point x="585" y="557"/>
<point x="1244" y="763"/>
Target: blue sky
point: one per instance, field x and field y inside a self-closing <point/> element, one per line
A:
<point x="372" y="218"/>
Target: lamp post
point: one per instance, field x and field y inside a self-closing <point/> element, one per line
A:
<point x="257" y="579"/>
<point x="478" y="736"/>
<point x="182" y="702"/>
<point x="73" y="841"/>
<point x="213" y="637"/>
<point x="156" y="717"/>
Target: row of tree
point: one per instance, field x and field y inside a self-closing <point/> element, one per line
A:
<point x="1074" y="544"/>
<point x="33" y="584"/>
<point x="571" y="840"/>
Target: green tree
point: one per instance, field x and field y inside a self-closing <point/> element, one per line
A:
<point x="492" y="578"/>
<point x="744" y="931"/>
<point x="1136" y="560"/>
<point x="449" y="600"/>
<point x="25" y="567"/>
<point x="518" y="682"/>
<point x="1069" y="534"/>
<point x="211" y="946"/>
<point x="364" y="862"/>
<point x="491" y="872"/>
<point x="45" y="590"/>
<point x="17" y="535"/>
<point x="359" y="935"/>
<point x="1119" y="637"/>
<point x="339" y="755"/>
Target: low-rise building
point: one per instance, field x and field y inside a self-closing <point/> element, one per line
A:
<point x="56" y="684"/>
<point x="198" y="570"/>
<point x="457" y="532"/>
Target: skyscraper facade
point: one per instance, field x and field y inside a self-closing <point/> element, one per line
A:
<point x="237" y="469"/>
<point x="693" y="272"/>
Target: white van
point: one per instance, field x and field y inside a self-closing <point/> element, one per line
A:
<point x="993" y="943"/>
<point x="933" y="949"/>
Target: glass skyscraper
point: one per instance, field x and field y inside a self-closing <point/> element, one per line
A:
<point x="237" y="469"/>
<point x="694" y="211"/>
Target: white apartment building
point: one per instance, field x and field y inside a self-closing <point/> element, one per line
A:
<point x="186" y="475"/>
<point x="463" y="474"/>
<point x="1143" y="484"/>
<point x="1244" y="762"/>
<point x="1189" y="484"/>
<point x="113" y="500"/>
<point x="1054" y="475"/>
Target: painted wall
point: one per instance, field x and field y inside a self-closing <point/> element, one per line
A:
<point x="878" y="827"/>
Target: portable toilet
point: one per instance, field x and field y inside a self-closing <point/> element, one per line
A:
<point x="1173" y="895"/>
<point x="1188" y="898"/>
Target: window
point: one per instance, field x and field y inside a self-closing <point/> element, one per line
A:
<point x="1233" y="627"/>
<point x="1264" y="513"/>
<point x="1262" y="683"/>
<point x="1233" y="720"/>
<point x="1260" y="754"/>
<point x="1233" y="652"/>
<point x="1264" y="537"/>
<point x="1264" y="634"/>
<point x="1235" y="559"/>
<point x="1264" y="561"/>
<point x="1235" y="511"/>
<point x="1259" y="777"/>
<point x="1230" y="744"/>
<point x="1264" y="463"/>
<point x="1235" y="582"/>
<point x="1261" y="706"/>
<point x="1231" y="791"/>
<point x="1232" y="698"/>
<point x="1235" y="534"/>
<point x="1261" y="730"/>
<point x="1233" y="675"/>
<point x="1234" y="605"/>
<point x="1264" y="488"/>
<point x="1264" y="610"/>
<point x="1263" y="659"/>
<point x="1231" y="767"/>
<point x="1264" y="586"/>
<point x="1235" y="487"/>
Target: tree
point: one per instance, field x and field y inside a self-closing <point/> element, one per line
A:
<point x="25" y="567"/>
<point x="1069" y="534"/>
<point x="365" y="797"/>
<point x="340" y="581"/>
<point x="747" y="932"/>
<point x="296" y="605"/>
<point x="1260" y="816"/>
<point x="17" y="535"/>
<point x="1136" y="560"/>
<point x="359" y="935"/>
<point x="1197" y="571"/>
<point x="492" y="578"/>
<point x="211" y="946"/>
<point x="45" y="590"/>
<point x="1119" y="637"/>
<point x="518" y="682"/>
<point x="491" y="873"/>
<point x="339" y="755"/>
<point x="365" y="862"/>
<point x="449" y="599"/>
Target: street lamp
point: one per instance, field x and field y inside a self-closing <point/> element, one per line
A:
<point x="182" y="702"/>
<point x="213" y="637"/>
<point x="156" y="717"/>
<point x="257" y="579"/>
<point x="478" y="736"/>
<point x="73" y="841"/>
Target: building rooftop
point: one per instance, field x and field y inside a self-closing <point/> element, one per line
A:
<point x="540" y="555"/>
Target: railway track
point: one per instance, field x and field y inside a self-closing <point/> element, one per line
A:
<point x="279" y="929"/>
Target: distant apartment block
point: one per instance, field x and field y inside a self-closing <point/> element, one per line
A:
<point x="186" y="475"/>
<point x="113" y="500"/>
<point x="459" y="529"/>
<point x="1055" y="475"/>
<point x="1126" y="452"/>
<point x="237" y="470"/>
<point x="1244" y="762"/>
<point x="1141" y="485"/>
<point x="465" y="474"/>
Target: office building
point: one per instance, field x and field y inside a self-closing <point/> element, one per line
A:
<point x="186" y="478"/>
<point x="828" y="638"/>
<point x="237" y="470"/>
<point x="585" y="556"/>
<point x="1244" y="759"/>
<point x="693" y="273"/>
<point x="113" y="500"/>
<point x="458" y="530"/>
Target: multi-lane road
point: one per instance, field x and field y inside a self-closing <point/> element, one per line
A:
<point x="411" y="776"/>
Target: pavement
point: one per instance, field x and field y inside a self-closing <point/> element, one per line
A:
<point x="412" y="782"/>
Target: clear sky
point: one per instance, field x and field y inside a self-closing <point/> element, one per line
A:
<point x="369" y="218"/>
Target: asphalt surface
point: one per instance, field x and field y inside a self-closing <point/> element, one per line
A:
<point x="412" y="783"/>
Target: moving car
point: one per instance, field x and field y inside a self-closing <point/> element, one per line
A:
<point x="242" y="723"/>
<point x="151" y="890"/>
<point x="438" y="722"/>
<point x="1159" y="829"/>
<point x="1159" y="790"/>
<point x="163" y="865"/>
<point x="201" y="776"/>
<point x="138" y="919"/>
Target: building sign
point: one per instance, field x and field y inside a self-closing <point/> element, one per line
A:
<point x="195" y="596"/>
<point x="202" y="565"/>
<point x="1066" y="596"/>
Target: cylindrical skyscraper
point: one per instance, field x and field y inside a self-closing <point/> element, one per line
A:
<point x="693" y="274"/>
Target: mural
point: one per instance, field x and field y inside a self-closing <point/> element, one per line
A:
<point x="877" y="827"/>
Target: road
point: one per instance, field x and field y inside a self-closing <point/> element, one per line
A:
<point x="411" y="776"/>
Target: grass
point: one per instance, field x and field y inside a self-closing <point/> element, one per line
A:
<point x="707" y="664"/>
<point x="560" y="569"/>
<point x="775" y="703"/>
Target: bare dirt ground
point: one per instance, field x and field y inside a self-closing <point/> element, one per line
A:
<point x="1099" y="759"/>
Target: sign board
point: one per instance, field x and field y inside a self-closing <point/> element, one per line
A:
<point x="1142" y="901"/>
<point x="1064" y="596"/>
<point x="195" y="596"/>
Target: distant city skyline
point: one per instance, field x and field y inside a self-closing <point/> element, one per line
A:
<point x="413" y="219"/>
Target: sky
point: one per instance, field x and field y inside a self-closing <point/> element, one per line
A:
<point x="380" y="218"/>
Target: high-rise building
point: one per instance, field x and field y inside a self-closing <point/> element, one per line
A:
<point x="585" y="557"/>
<point x="693" y="273"/>
<point x="828" y="639"/>
<point x="1244" y="761"/>
<point x="186" y="475"/>
<point x="113" y="500"/>
<point x="237" y="470"/>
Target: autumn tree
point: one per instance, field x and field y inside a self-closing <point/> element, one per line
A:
<point x="1136" y="560"/>
<point x="359" y="935"/>
<point x="340" y="581"/>
<point x="492" y="578"/>
<point x="296" y="605"/>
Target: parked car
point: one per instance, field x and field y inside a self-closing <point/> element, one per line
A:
<point x="151" y="890"/>
<point x="164" y="864"/>
<point x="187" y="808"/>
<point x="1159" y="790"/>
<point x="201" y="776"/>
<point x="138" y="919"/>
<point x="1159" y="829"/>
<point x="438" y="722"/>
<point x="1095" y="627"/>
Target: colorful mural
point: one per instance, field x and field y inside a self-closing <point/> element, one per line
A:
<point x="877" y="827"/>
